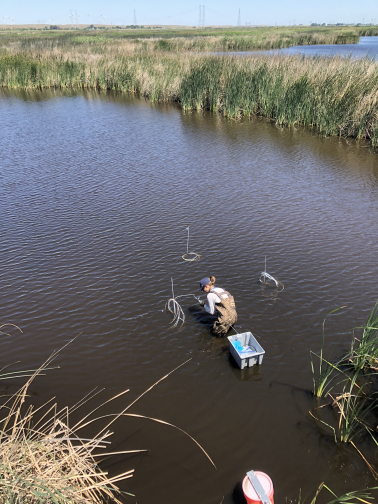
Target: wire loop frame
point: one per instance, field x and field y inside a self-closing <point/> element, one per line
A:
<point x="190" y="256"/>
<point x="178" y="314"/>
<point x="173" y="306"/>
<point x="194" y="256"/>
<point x="267" y="279"/>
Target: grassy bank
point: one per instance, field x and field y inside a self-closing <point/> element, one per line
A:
<point x="335" y="96"/>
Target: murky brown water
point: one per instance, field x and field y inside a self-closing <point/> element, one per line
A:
<point x="96" y="192"/>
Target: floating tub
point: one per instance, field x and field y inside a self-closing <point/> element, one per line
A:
<point x="249" y="358"/>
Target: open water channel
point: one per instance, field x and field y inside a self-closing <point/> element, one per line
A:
<point x="367" y="47"/>
<point x="96" y="193"/>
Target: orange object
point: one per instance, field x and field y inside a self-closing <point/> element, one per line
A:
<point x="250" y="493"/>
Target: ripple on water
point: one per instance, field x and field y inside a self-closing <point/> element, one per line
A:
<point x="96" y="196"/>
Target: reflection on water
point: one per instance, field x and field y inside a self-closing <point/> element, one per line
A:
<point x="96" y="192"/>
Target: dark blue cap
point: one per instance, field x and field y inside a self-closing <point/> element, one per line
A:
<point x="204" y="282"/>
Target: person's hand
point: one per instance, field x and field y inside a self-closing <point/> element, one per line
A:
<point x="202" y="303"/>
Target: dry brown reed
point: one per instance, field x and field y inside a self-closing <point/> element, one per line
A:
<point x="44" y="459"/>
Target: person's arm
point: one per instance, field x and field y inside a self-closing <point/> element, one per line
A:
<point x="210" y="306"/>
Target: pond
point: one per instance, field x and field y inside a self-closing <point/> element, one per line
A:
<point x="97" y="191"/>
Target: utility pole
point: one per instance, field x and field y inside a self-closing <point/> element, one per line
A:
<point x="203" y="15"/>
<point x="200" y="17"/>
<point x="135" y="21"/>
<point x="239" y="20"/>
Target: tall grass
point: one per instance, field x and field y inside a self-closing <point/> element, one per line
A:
<point x="356" y="404"/>
<point x="354" y="407"/>
<point x="335" y="96"/>
<point x="323" y="378"/>
<point x="364" y="353"/>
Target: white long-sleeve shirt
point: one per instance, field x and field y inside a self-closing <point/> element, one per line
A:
<point x="212" y="299"/>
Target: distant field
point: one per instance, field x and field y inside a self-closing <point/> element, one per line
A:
<point x="200" y="39"/>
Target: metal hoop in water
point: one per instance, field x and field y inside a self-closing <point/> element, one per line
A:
<point x="190" y="256"/>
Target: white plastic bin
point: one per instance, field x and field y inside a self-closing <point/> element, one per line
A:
<point x="247" y="360"/>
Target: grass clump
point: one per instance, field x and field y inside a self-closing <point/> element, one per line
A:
<point x="364" y="353"/>
<point x="45" y="459"/>
<point x="356" y="404"/>
<point x="354" y="497"/>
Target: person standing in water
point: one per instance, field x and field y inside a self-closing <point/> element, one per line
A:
<point x="219" y="303"/>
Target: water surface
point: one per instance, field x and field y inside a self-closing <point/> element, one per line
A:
<point x="367" y="47"/>
<point x="96" y="193"/>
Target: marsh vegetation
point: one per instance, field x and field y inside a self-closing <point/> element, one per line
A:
<point x="199" y="39"/>
<point x="336" y="96"/>
<point x="348" y="387"/>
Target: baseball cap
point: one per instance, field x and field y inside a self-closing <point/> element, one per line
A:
<point x="204" y="282"/>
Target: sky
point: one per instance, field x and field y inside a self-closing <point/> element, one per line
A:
<point x="186" y="12"/>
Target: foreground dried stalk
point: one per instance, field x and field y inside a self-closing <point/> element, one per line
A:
<point x="45" y="460"/>
<point x="53" y="465"/>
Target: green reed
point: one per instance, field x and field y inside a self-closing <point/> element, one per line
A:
<point x="356" y="402"/>
<point x="335" y="96"/>
<point x="353" y="497"/>
<point x="354" y="407"/>
<point x="323" y="378"/>
<point x="365" y="355"/>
